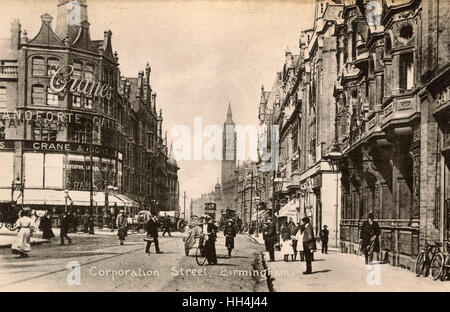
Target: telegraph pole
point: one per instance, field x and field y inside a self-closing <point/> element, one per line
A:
<point x="251" y="199"/>
<point x="184" y="205"/>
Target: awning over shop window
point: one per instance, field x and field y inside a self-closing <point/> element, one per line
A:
<point x="128" y="202"/>
<point x="290" y="209"/>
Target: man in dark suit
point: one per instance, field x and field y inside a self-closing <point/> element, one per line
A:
<point x="370" y="231"/>
<point x="324" y="238"/>
<point x="309" y="244"/>
<point x="270" y="238"/>
<point x="64" y="228"/>
<point x="152" y="233"/>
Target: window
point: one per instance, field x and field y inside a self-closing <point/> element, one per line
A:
<point x="89" y="73"/>
<point x="34" y="170"/>
<point x="45" y="131"/>
<point x="54" y="164"/>
<point x="2" y="130"/>
<point x="52" y="98"/>
<point x="37" y="95"/>
<point x="7" y="172"/>
<point x="38" y="68"/>
<point x="2" y="97"/>
<point x="82" y="133"/>
<point x="52" y="66"/>
<point x="406" y="79"/>
<point x="77" y="70"/>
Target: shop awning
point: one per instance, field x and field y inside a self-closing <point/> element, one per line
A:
<point x="128" y="202"/>
<point x="290" y="209"/>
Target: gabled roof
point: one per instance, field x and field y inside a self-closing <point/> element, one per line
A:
<point x="83" y="39"/>
<point x="46" y="36"/>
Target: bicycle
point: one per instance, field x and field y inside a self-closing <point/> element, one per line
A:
<point x="440" y="266"/>
<point x="424" y="259"/>
<point x="200" y="254"/>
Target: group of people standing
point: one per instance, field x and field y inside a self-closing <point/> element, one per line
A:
<point x="205" y="231"/>
<point x="295" y="239"/>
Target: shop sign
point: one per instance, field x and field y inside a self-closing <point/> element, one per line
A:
<point x="50" y="146"/>
<point x="16" y="117"/>
<point x="62" y="80"/>
<point x="6" y="145"/>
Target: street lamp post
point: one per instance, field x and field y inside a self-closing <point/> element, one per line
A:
<point x="66" y="196"/>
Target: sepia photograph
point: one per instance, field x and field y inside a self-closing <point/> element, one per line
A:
<point x="229" y="146"/>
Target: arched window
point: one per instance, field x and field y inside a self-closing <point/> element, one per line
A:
<point x="37" y="95"/>
<point x="52" y="66"/>
<point x="37" y="66"/>
<point x="387" y="47"/>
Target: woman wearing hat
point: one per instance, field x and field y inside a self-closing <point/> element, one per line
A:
<point x="230" y="234"/>
<point x="25" y="226"/>
<point x="210" y="244"/>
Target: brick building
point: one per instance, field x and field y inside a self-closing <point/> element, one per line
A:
<point x="89" y="130"/>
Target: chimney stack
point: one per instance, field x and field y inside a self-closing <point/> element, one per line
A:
<point x="15" y="35"/>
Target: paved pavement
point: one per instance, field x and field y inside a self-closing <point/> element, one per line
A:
<point x="106" y="266"/>
<point x="344" y="272"/>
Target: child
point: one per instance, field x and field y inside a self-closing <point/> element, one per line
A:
<point x="286" y="246"/>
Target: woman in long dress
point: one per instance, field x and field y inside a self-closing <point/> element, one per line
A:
<point x="193" y="234"/>
<point x="210" y="244"/>
<point x="46" y="227"/>
<point x="25" y="226"/>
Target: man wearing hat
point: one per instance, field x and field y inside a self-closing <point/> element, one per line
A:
<point x="309" y="244"/>
<point x="152" y="234"/>
<point x="270" y="238"/>
<point x="122" y="223"/>
<point x="370" y="231"/>
<point x="230" y="234"/>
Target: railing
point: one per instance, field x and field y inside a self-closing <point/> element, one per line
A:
<point x="9" y="70"/>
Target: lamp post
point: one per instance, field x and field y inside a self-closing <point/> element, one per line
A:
<point x="66" y="196"/>
<point x="333" y="157"/>
<point x="108" y="191"/>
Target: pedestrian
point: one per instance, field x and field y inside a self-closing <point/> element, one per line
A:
<point x="299" y="238"/>
<point x="370" y="232"/>
<point x="192" y="235"/>
<point x="166" y="226"/>
<point x="152" y="234"/>
<point x="324" y="238"/>
<point x="210" y="244"/>
<point x="45" y="226"/>
<point x="85" y="222"/>
<point x="286" y="246"/>
<point x="122" y="223"/>
<point x="91" y="225"/>
<point x="73" y="222"/>
<point x="309" y="244"/>
<point x="25" y="226"/>
<point x="294" y="231"/>
<point x="270" y="238"/>
<point x="64" y="228"/>
<point x="230" y="234"/>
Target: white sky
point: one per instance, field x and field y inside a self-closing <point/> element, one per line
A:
<point x="204" y="54"/>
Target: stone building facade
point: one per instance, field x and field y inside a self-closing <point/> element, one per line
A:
<point x="392" y="103"/>
<point x="89" y="130"/>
